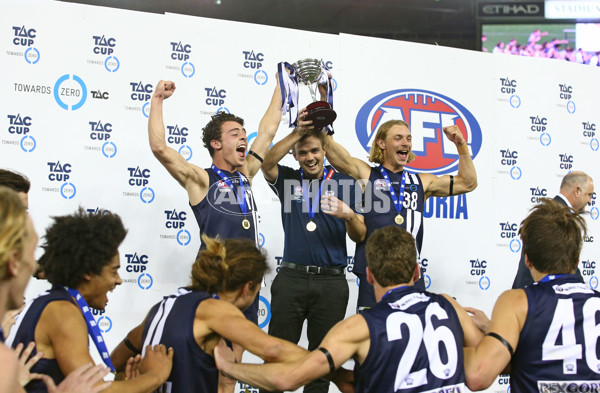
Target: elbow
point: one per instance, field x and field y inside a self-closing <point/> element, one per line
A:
<point x="272" y="352"/>
<point x="158" y="149"/>
<point x="285" y="383"/>
<point x="475" y="383"/>
<point x="472" y="185"/>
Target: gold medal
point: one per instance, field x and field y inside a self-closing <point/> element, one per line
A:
<point x="399" y="219"/>
<point x="311" y="226"/>
<point x="245" y="223"/>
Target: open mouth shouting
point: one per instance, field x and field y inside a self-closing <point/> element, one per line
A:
<point x="402" y="155"/>
<point x="241" y="151"/>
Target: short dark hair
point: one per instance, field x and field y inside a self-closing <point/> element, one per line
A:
<point x="79" y="244"/>
<point x="391" y="255"/>
<point x="552" y="237"/>
<point x="318" y="133"/>
<point x="14" y="180"/>
<point x="212" y="131"/>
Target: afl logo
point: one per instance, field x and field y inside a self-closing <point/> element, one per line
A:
<point x="426" y="112"/>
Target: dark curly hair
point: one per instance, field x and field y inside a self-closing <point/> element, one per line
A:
<point x="212" y="131"/>
<point x="79" y="244"/>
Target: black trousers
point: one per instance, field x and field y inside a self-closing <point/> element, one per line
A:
<point x="321" y="300"/>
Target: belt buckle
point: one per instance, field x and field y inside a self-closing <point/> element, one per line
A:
<point x="312" y="269"/>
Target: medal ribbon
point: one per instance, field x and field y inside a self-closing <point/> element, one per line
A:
<point x="312" y="207"/>
<point x="93" y="329"/>
<point x="288" y="84"/>
<point x="242" y="200"/>
<point x="324" y="79"/>
<point x="397" y="199"/>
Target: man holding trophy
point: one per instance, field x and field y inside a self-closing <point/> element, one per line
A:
<point x="310" y="284"/>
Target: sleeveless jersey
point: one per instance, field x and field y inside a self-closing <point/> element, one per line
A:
<point x="219" y="213"/>
<point x="379" y="210"/>
<point x="558" y="348"/>
<point x="416" y="345"/>
<point x="171" y="323"/>
<point x="24" y="332"/>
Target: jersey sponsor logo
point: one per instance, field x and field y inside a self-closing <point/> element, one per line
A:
<point x="571" y="288"/>
<point x="408" y="301"/>
<point x="568" y="386"/>
<point x="426" y="112"/>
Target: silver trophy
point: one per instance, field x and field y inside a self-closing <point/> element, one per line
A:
<point x="310" y="73"/>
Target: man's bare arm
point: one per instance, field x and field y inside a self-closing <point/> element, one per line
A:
<point x="486" y="361"/>
<point x="466" y="178"/>
<point x="266" y="132"/>
<point x="194" y="179"/>
<point x="341" y="160"/>
<point x="282" y="148"/>
<point x="345" y="340"/>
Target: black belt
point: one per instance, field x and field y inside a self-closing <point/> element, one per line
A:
<point x="329" y="271"/>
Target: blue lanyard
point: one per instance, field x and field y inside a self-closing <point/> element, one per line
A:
<point x="312" y="206"/>
<point x="93" y="329"/>
<point x="551" y="277"/>
<point x="397" y="199"/>
<point x="242" y="200"/>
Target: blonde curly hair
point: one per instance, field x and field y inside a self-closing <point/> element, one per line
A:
<point x="376" y="154"/>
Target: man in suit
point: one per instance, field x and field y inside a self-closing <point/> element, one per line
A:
<point x="576" y="190"/>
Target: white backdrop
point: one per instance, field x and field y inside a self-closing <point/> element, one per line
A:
<point x="77" y="82"/>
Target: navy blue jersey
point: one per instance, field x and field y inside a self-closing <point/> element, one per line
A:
<point x="416" y="345"/>
<point x="171" y="322"/>
<point x="219" y="213"/>
<point x="326" y="245"/>
<point x="379" y="210"/>
<point x="559" y="341"/>
<point x="24" y="332"/>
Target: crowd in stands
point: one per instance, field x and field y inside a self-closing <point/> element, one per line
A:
<point x="552" y="49"/>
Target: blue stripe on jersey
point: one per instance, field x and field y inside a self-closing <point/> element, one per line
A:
<point x="377" y="194"/>
<point x="219" y="212"/>
<point x="171" y="322"/>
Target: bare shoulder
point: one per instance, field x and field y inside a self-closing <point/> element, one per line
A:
<point x="61" y="316"/>
<point x="426" y="179"/>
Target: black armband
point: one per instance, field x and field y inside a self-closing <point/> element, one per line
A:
<point x="130" y="346"/>
<point x="259" y="158"/>
<point x="329" y="358"/>
<point x="451" y="185"/>
<point x="503" y="341"/>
